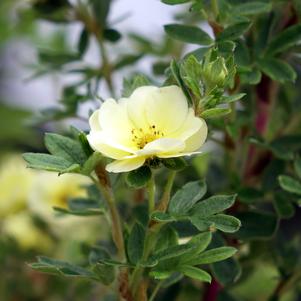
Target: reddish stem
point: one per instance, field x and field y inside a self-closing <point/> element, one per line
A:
<point x="212" y="291"/>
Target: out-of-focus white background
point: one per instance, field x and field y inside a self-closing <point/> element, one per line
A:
<point x="145" y="17"/>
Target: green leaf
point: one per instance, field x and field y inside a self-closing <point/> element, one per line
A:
<point x="215" y="113"/>
<point x="129" y="86"/>
<point x="175" y="163"/>
<point x="201" y="241"/>
<point x="60" y="267"/>
<point x="213" y="205"/>
<point x="174" y="2"/>
<point x="166" y="238"/>
<point x="297" y="167"/>
<point x="256" y="225"/>
<point x="277" y="70"/>
<point x="160" y="275"/>
<point x="195" y="273"/>
<point x="213" y="255"/>
<point x="139" y="177"/>
<point x="186" y="197"/>
<point x="100" y="10"/>
<point x="83" y="42"/>
<point x="233" y="32"/>
<point x="225" y="223"/>
<point x="162" y="217"/>
<point x="46" y="162"/>
<point x="252" y="8"/>
<point x="91" y="163"/>
<point x="188" y="34"/>
<point x="135" y="243"/>
<point x="172" y="252"/>
<point x="175" y="70"/>
<point x="105" y="273"/>
<point x="112" y="35"/>
<point x="232" y="98"/>
<point x="286" y="39"/>
<point x="290" y="184"/>
<point x="252" y="77"/>
<point x="82" y="207"/>
<point x="227" y="271"/>
<point x="283" y="206"/>
<point x="126" y="60"/>
<point x="65" y="147"/>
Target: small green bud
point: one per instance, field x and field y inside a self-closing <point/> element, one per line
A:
<point x="215" y="72"/>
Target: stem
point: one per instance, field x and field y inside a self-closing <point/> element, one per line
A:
<point x="212" y="291"/>
<point x="155" y="291"/>
<point x="151" y="187"/>
<point x="214" y="6"/>
<point x="106" y="190"/>
<point x="163" y="204"/>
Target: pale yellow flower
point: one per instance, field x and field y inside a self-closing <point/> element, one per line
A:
<point x="50" y="190"/>
<point x="152" y="122"/>
<point x="21" y="228"/>
<point x="15" y="184"/>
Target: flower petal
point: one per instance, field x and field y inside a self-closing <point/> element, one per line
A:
<point x="94" y="121"/>
<point x="166" y="108"/>
<point x="179" y="155"/>
<point x="125" y="165"/>
<point x="107" y="147"/>
<point x="194" y="142"/>
<point x="115" y="122"/>
<point x="162" y="146"/>
<point x="136" y="106"/>
<point x="189" y="127"/>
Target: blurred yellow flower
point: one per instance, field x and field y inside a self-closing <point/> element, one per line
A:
<point x="50" y="190"/>
<point x="15" y="183"/>
<point x="152" y="122"/>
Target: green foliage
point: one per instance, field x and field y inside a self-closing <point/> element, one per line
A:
<point x="139" y="177"/>
<point x="188" y="34"/>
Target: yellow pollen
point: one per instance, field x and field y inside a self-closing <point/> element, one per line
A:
<point x="141" y="138"/>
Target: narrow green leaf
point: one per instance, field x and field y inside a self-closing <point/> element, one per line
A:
<point x="297" y="167"/>
<point x="162" y="217"/>
<point x="233" y="32"/>
<point x="213" y="255"/>
<point x="160" y="275"/>
<point x="215" y="113"/>
<point x="135" y="243"/>
<point x="232" y="98"/>
<point x="173" y="252"/>
<point x="188" y="34"/>
<point x="213" y="205"/>
<point x="286" y="39"/>
<point x="277" y="70"/>
<point x="174" y="2"/>
<point x="227" y="271"/>
<point x="225" y="223"/>
<point x="283" y="206"/>
<point x="83" y="42"/>
<point x="139" y="177"/>
<point x="195" y="273"/>
<point x="91" y="163"/>
<point x="46" y="162"/>
<point x="290" y="184"/>
<point x="186" y="197"/>
<point x="252" y="8"/>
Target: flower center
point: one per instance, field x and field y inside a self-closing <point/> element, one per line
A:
<point x="141" y="137"/>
